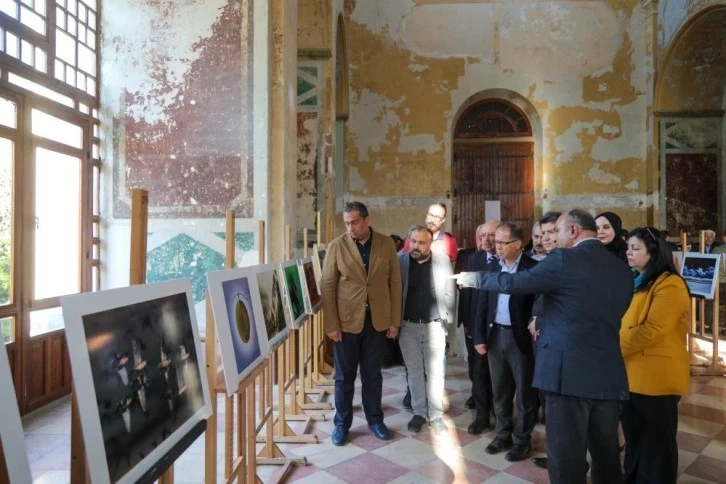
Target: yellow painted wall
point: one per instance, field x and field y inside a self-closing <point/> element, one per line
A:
<point x="580" y="68"/>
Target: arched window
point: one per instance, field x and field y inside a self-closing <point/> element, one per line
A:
<point x="493" y="118"/>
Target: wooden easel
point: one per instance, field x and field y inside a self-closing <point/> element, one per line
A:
<point x="254" y="393"/>
<point x="137" y="275"/>
<point x="698" y="324"/>
<point x="287" y="387"/>
<point x="306" y="356"/>
<point x="319" y="366"/>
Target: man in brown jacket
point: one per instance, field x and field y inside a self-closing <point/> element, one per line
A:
<point x="362" y="304"/>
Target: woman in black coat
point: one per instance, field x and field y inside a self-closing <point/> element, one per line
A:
<point x="609" y="226"/>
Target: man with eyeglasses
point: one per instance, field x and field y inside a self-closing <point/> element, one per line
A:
<point x="443" y="242"/>
<point x="501" y="333"/>
<point x="579" y="365"/>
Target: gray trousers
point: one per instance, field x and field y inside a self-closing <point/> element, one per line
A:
<point x="424" y="348"/>
<point x="512" y="373"/>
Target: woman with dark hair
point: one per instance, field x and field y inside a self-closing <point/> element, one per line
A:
<point x="609" y="226"/>
<point x="653" y="343"/>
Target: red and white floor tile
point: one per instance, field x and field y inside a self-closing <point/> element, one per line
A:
<point x="410" y="458"/>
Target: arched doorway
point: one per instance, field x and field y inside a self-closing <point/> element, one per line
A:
<point x="689" y="105"/>
<point x="493" y="160"/>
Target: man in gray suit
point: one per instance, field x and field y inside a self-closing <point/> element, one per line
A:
<point x="579" y="365"/>
<point x="425" y="279"/>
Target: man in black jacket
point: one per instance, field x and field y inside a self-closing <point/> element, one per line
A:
<point x="501" y="333"/>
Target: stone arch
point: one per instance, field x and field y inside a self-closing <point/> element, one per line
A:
<point x="528" y="134"/>
<point x="689" y="102"/>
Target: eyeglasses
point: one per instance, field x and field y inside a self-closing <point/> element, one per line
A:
<point x="435" y="217"/>
<point x="502" y="243"/>
<point x="647" y="229"/>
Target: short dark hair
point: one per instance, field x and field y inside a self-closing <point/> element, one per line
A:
<point x="514" y="231"/>
<point x="356" y="207"/>
<point x="661" y="259"/>
<point x="549" y="218"/>
<point x="580" y="217"/>
<point x="420" y="228"/>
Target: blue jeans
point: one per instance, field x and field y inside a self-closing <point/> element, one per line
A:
<point x="424" y="349"/>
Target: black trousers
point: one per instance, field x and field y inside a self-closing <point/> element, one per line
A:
<point x="650" y="424"/>
<point x="481" y="380"/>
<point x="366" y="349"/>
<point x="575" y="425"/>
<point x="511" y="373"/>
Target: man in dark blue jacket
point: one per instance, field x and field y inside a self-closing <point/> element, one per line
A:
<point x="579" y="365"/>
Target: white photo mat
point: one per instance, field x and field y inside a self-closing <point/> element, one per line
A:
<point x="11" y="427"/>
<point x="239" y="357"/>
<point x="318" y="257"/>
<point x="78" y="306"/>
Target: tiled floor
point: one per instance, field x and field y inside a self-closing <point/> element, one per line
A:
<point x="410" y="458"/>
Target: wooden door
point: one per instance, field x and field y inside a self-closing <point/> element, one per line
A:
<point x="492" y="171"/>
<point x="692" y="192"/>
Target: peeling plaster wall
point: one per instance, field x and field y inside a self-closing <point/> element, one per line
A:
<point x="581" y="66"/>
<point x="178" y="95"/>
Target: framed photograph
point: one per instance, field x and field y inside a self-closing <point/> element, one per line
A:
<point x="240" y="329"/>
<point x="700" y="272"/>
<point x="311" y="293"/>
<point x="139" y="376"/>
<point x="318" y="257"/>
<point x="12" y="438"/>
<point x="293" y="294"/>
<point x="268" y="303"/>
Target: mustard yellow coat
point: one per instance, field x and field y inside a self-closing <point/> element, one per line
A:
<point x="653" y="338"/>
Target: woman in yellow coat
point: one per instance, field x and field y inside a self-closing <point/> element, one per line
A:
<point x="653" y="342"/>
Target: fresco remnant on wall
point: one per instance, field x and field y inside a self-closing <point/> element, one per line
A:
<point x="183" y="129"/>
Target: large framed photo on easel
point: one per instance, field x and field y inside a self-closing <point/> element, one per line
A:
<point x="311" y="293"/>
<point x="270" y="299"/>
<point x="701" y="273"/>
<point x="293" y="292"/>
<point x="138" y="375"/>
<point x="12" y="439"/>
<point x="241" y="330"/>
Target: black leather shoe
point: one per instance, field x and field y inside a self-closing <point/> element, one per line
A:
<point x="416" y="423"/>
<point x="518" y="452"/>
<point x="340" y="435"/>
<point x="470" y="403"/>
<point x="477" y="426"/>
<point x="540" y="462"/>
<point x="498" y="445"/>
<point x="407" y="401"/>
<point x="380" y="431"/>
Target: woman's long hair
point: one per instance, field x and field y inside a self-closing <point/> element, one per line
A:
<point x="661" y="259"/>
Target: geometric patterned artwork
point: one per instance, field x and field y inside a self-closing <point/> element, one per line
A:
<point x="184" y="130"/>
<point x="308" y="86"/>
<point x="183" y="256"/>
